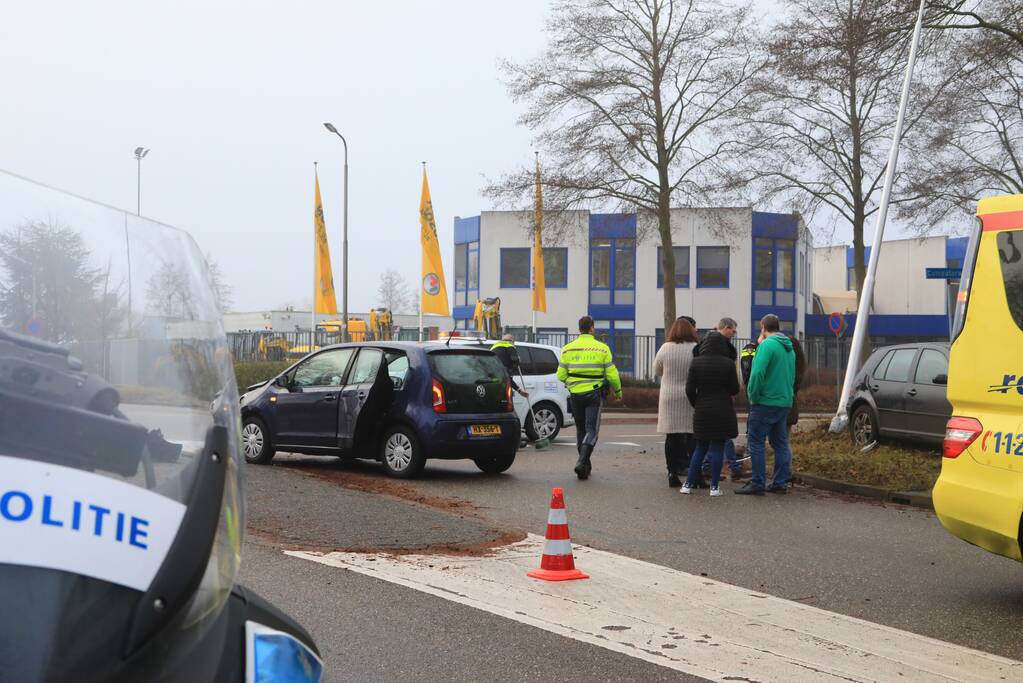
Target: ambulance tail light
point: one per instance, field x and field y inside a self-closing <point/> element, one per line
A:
<point x="439" y="404"/>
<point x="960" y="432"/>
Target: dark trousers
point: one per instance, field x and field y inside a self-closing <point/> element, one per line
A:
<point x="678" y="451"/>
<point x="586" y="411"/>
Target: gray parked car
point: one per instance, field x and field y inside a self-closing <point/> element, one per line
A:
<point x="900" y="394"/>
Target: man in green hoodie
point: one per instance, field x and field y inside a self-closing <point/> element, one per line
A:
<point x="770" y="398"/>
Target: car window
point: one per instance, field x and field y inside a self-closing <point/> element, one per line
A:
<point x="883" y="365"/>
<point x="366" y="366"/>
<point x="467" y="368"/>
<point x="545" y="361"/>
<point x="526" y="359"/>
<point x="931" y="364"/>
<point x="1010" y="255"/>
<point x="325" y="369"/>
<point x="898" y="367"/>
<point x="397" y="368"/>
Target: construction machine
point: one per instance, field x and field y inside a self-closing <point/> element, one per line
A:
<point x="381" y="324"/>
<point x="487" y="317"/>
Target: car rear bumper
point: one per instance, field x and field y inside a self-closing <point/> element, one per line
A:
<point x="980" y="504"/>
<point x="448" y="438"/>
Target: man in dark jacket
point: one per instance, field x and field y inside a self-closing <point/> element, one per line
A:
<point x="509" y="356"/>
<point x="771" y="381"/>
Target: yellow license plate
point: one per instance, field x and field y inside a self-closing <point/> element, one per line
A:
<point x="484" y="430"/>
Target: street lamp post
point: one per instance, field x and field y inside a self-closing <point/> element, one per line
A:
<point x="344" y="239"/>
<point x="140" y="154"/>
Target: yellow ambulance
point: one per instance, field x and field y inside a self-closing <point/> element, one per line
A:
<point x="979" y="495"/>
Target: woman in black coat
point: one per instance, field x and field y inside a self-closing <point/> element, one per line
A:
<point x="710" y="386"/>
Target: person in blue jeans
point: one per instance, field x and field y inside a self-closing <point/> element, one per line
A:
<point x="770" y="386"/>
<point x="710" y="386"/>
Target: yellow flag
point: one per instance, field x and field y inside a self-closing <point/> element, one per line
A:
<point x="433" y="291"/>
<point x="539" y="283"/>
<point x="324" y="299"/>
<point x="477" y="315"/>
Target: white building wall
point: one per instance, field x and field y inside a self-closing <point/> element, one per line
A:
<point x="501" y="229"/>
<point x="902" y="287"/>
<point x="695" y="228"/>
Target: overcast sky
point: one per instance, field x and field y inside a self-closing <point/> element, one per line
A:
<point x="231" y="97"/>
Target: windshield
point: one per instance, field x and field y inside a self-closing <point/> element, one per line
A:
<point x="114" y="372"/>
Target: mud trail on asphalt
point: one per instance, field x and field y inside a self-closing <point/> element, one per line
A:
<point x="317" y="505"/>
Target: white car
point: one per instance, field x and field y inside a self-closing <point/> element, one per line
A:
<point x="547" y="394"/>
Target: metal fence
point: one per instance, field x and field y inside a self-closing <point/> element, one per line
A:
<point x="634" y="354"/>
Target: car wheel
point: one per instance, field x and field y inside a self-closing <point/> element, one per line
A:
<point x="401" y="453"/>
<point x="495" y="464"/>
<point x="863" y="426"/>
<point x="547" y="422"/>
<point x="257" y="447"/>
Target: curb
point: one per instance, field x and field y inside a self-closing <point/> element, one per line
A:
<point x="920" y="499"/>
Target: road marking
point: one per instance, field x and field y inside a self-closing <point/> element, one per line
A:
<point x="621" y="443"/>
<point x="680" y="621"/>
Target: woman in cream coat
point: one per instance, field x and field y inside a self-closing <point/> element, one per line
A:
<point x="674" y="411"/>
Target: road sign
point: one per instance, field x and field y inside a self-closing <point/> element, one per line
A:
<point x="944" y="273"/>
<point x="33" y="327"/>
<point x="836" y="323"/>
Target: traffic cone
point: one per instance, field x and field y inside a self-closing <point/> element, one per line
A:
<point x="557" y="563"/>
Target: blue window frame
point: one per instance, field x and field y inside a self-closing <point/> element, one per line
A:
<point x="555" y="267"/>
<point x="712" y="267"/>
<point x="467" y="273"/>
<point x="613" y="271"/>
<point x="681" y="267"/>
<point x="774" y="272"/>
<point x="620" y="335"/>
<point x="515" y="268"/>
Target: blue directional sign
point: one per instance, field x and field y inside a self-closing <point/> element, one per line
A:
<point x="944" y="273"/>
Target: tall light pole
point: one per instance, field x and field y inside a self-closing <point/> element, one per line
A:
<point x="140" y="154"/>
<point x="344" y="240"/>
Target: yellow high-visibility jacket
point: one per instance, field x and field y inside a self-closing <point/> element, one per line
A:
<point x="585" y="364"/>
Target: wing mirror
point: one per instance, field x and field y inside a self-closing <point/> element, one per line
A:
<point x="940" y="379"/>
<point x="282" y="382"/>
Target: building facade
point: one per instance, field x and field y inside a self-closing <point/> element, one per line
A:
<point x="907" y="304"/>
<point x="729" y="262"/>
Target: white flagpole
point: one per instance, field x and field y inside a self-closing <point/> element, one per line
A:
<point x="841" y="419"/>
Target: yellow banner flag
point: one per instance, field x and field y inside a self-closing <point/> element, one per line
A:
<point x="433" y="291"/>
<point x="324" y="300"/>
<point x="539" y="282"/>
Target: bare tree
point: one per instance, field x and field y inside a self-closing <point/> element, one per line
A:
<point x="223" y="292"/>
<point x="631" y="104"/>
<point x="1001" y="17"/>
<point x="831" y="98"/>
<point x="393" y="292"/>
<point x="973" y="138"/>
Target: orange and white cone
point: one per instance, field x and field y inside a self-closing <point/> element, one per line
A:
<point x="557" y="563"/>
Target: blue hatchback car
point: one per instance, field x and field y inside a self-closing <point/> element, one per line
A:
<point x="401" y="403"/>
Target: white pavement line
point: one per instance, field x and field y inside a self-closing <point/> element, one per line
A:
<point x="621" y="443"/>
<point x="680" y="621"/>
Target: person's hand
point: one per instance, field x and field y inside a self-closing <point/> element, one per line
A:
<point x="619" y="397"/>
<point x="523" y="393"/>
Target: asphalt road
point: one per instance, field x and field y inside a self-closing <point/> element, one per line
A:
<point x="886" y="564"/>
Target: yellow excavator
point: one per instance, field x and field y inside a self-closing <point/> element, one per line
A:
<point x="381" y="324"/>
<point x="487" y="317"/>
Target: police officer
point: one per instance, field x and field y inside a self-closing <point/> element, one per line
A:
<point x="589" y="373"/>
<point x="509" y="356"/>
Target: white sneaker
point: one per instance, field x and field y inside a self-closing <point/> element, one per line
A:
<point x="685" y="489"/>
<point x="715" y="491"/>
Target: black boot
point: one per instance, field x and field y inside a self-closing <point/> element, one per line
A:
<point x="582" y="466"/>
<point x="671" y="462"/>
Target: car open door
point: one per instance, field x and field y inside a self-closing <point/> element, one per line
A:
<point x="367" y="393"/>
<point x="305" y="413"/>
